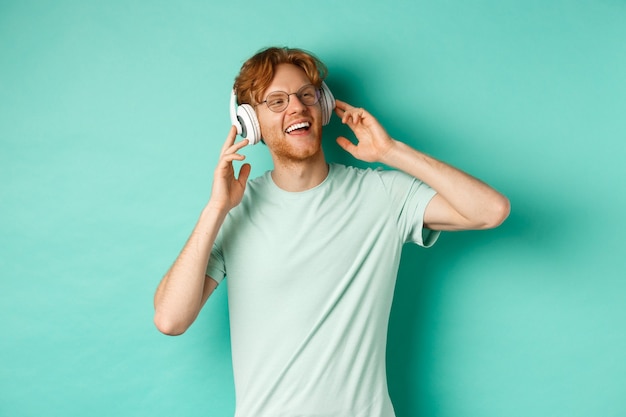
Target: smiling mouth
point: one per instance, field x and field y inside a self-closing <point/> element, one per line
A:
<point x="304" y="126"/>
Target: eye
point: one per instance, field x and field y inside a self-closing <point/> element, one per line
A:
<point x="277" y="100"/>
<point x="308" y="95"/>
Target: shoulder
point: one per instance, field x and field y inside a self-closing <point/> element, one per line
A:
<point x="258" y="187"/>
<point x="347" y="172"/>
<point x="385" y="177"/>
<point x="261" y="181"/>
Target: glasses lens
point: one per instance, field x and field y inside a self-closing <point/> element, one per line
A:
<point x="308" y="95"/>
<point x="277" y="101"/>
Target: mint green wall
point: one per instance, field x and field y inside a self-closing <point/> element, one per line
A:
<point x="111" y="117"/>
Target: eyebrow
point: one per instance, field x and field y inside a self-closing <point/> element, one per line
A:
<point x="282" y="91"/>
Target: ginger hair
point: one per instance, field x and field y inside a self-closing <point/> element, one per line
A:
<point x="257" y="73"/>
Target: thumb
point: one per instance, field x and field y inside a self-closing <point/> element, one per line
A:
<point x="346" y="145"/>
<point x="244" y="173"/>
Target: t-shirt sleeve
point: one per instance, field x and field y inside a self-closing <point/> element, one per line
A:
<point x="216" y="268"/>
<point x="408" y="198"/>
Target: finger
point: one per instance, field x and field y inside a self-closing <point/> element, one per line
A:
<point x="342" y="105"/>
<point x="230" y="139"/>
<point x="346" y="145"/>
<point x="352" y="116"/>
<point x="244" y="173"/>
<point x="360" y="115"/>
<point x="237" y="146"/>
<point x="233" y="157"/>
<point x="233" y="150"/>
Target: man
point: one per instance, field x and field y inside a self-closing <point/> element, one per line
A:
<point x="311" y="250"/>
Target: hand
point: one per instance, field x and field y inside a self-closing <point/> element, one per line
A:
<point x="228" y="190"/>
<point x="373" y="141"/>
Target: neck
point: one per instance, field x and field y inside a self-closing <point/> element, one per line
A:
<point x="295" y="176"/>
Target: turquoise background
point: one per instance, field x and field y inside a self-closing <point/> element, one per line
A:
<point x="111" y="118"/>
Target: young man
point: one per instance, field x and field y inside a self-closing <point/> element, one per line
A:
<point x="311" y="250"/>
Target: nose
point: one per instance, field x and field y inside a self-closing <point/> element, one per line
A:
<point x="295" y="105"/>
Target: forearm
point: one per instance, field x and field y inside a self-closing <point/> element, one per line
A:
<point x="179" y="296"/>
<point x="475" y="204"/>
<point x="462" y="202"/>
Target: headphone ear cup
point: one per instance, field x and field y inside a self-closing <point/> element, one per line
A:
<point x="250" y="127"/>
<point x="327" y="103"/>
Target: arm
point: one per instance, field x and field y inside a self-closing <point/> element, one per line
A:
<point x="462" y="201"/>
<point x="185" y="287"/>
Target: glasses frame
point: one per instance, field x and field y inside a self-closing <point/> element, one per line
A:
<point x="318" y="95"/>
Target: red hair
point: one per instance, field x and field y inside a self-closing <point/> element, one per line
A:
<point x="257" y="73"/>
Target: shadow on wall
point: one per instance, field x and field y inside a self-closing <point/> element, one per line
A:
<point x="419" y="292"/>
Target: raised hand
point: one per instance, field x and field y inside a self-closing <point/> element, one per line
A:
<point x="373" y="142"/>
<point x="227" y="189"/>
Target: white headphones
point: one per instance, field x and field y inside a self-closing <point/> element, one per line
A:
<point x="244" y="118"/>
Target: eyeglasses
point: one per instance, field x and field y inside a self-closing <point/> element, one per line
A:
<point x="278" y="101"/>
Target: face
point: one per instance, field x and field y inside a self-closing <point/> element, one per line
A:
<point x="294" y="134"/>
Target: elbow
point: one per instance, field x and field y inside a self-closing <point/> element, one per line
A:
<point x="168" y="326"/>
<point x="498" y="213"/>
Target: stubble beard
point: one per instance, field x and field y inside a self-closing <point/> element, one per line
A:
<point x="285" y="153"/>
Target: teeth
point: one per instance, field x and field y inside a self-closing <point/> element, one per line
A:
<point x="297" y="126"/>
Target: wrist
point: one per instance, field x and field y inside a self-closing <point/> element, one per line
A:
<point x="391" y="156"/>
<point x="216" y="208"/>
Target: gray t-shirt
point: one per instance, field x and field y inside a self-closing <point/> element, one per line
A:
<point x="310" y="281"/>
